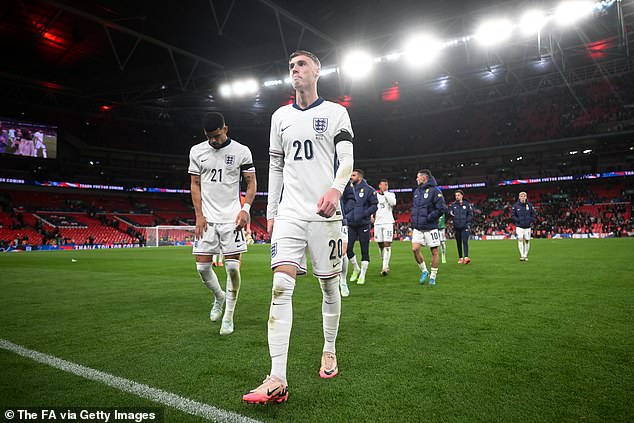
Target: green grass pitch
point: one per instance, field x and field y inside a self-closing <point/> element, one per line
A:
<point x="496" y="340"/>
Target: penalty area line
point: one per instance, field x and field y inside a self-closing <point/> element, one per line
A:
<point x="168" y="399"/>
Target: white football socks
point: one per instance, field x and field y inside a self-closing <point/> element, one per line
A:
<point x="233" y="287"/>
<point x="423" y="267"/>
<point x="520" y="245"/>
<point x="387" y="253"/>
<point x="434" y="272"/>
<point x="280" y="323"/>
<point x="210" y="279"/>
<point x="330" y="311"/>
<point x="364" y="268"/>
<point x="527" y="246"/>
<point x="353" y="261"/>
<point x="344" y="269"/>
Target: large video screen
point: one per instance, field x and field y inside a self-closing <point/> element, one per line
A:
<point x="28" y="139"/>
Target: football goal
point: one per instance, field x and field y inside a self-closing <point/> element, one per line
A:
<point x="161" y="236"/>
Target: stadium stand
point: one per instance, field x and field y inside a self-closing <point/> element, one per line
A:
<point x="576" y="207"/>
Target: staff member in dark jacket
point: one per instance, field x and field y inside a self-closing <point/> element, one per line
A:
<point x="358" y="214"/>
<point x="428" y="206"/>
<point x="462" y="213"/>
<point x="523" y="215"/>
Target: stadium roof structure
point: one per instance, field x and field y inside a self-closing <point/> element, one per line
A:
<point x="165" y="60"/>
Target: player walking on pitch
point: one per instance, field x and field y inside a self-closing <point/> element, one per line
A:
<point x="442" y="226"/>
<point x="216" y="166"/>
<point x="384" y="224"/>
<point x="428" y="206"/>
<point x="307" y="138"/>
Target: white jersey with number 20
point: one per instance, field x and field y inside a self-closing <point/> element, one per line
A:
<point x="305" y="139"/>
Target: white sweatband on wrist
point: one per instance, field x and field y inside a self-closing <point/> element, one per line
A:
<point x="246" y="207"/>
<point x="346" y="164"/>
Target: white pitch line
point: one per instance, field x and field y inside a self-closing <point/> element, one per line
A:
<point x="185" y="405"/>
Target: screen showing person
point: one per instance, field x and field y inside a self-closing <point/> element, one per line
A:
<point x="29" y="139"/>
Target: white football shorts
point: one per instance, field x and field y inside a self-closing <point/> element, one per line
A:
<point x="523" y="233"/>
<point x="291" y="239"/>
<point x="220" y="238"/>
<point x="384" y="232"/>
<point x="430" y="238"/>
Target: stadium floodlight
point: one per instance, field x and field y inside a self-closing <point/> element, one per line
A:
<point x="357" y="64"/>
<point x="273" y="83"/>
<point x="251" y="86"/>
<point x="327" y="71"/>
<point x="532" y="22"/>
<point x="393" y="57"/>
<point x="573" y="152"/>
<point x="494" y="32"/>
<point x="570" y="12"/>
<point x="225" y="90"/>
<point x="244" y="87"/>
<point x="422" y="49"/>
<point x="239" y="88"/>
<point x="588" y="151"/>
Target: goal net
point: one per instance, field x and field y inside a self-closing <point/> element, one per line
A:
<point x="161" y="236"/>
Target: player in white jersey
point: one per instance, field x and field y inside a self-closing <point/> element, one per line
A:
<point x="307" y="139"/>
<point x="384" y="224"/>
<point x="216" y="166"/>
<point x="38" y="137"/>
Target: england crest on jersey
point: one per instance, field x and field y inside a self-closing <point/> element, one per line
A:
<point x="320" y="125"/>
<point x="230" y="159"/>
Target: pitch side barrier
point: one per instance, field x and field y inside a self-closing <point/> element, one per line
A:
<point x="68" y="247"/>
<point x="551" y="236"/>
<point x="79" y="185"/>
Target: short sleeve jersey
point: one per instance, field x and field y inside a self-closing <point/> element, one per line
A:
<point x="384" y="212"/>
<point x="305" y="139"/>
<point x="220" y="171"/>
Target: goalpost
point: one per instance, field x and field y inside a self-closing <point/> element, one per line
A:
<point x="161" y="236"/>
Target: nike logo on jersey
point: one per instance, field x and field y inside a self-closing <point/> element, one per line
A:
<point x="336" y="264"/>
<point x="286" y="127"/>
<point x="365" y="230"/>
<point x="203" y="160"/>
